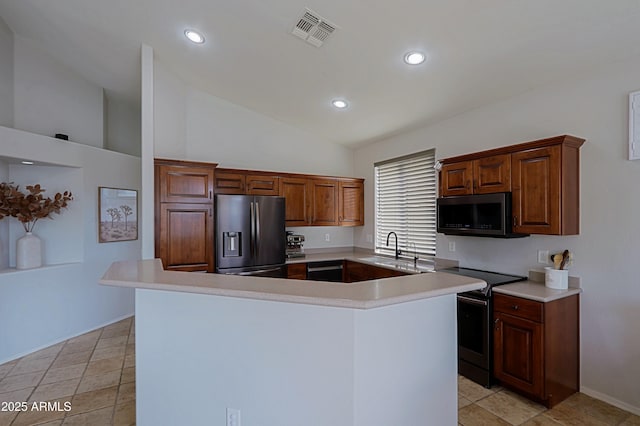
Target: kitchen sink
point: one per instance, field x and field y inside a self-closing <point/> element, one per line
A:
<point x="403" y="264"/>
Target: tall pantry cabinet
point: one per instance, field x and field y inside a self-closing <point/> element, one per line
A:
<point x="184" y="217"/>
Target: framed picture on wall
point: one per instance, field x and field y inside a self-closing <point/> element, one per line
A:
<point x="118" y="214"/>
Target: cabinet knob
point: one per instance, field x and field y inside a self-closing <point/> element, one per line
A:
<point x="515" y="221"/>
<point x="515" y="307"/>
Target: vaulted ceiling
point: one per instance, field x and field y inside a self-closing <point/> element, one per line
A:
<point x="478" y="52"/>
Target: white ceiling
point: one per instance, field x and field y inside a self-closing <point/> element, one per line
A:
<point x="479" y="52"/>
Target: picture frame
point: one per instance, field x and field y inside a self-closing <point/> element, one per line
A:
<point x="117" y="214"/>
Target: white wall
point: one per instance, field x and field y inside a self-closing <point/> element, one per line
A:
<point x="122" y="127"/>
<point x="45" y="305"/>
<point x="50" y="98"/>
<point x="6" y="75"/>
<point x="193" y="125"/>
<point x="592" y="106"/>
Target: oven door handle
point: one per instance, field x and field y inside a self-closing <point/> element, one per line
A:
<point x="472" y="301"/>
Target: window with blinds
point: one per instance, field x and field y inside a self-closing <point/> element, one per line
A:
<point x="405" y="190"/>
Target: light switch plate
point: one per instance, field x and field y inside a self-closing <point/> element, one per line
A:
<point x="543" y="256"/>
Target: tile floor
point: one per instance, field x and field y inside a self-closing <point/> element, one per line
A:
<point x="95" y="374"/>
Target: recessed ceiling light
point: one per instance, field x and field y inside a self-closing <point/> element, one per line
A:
<point x="339" y="103"/>
<point x="414" y="58"/>
<point x="194" y="36"/>
<point x="27" y="162"/>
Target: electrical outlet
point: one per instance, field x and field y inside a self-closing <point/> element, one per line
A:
<point x="543" y="256"/>
<point x="452" y="246"/>
<point x="327" y="237"/>
<point x="233" y="417"/>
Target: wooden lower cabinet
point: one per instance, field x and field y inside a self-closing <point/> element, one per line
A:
<point x="355" y="271"/>
<point x="297" y="271"/>
<point x="186" y="237"/>
<point x="536" y="347"/>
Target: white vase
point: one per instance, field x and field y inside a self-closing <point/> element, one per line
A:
<point x="28" y="252"/>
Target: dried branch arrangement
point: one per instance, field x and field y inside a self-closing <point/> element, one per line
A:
<point x="29" y="207"/>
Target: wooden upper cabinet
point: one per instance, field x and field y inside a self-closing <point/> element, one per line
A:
<point x="185" y="184"/>
<point x="482" y="176"/>
<point x="351" y="202"/>
<point x="228" y="182"/>
<point x="456" y="179"/>
<point x="263" y="185"/>
<point x="324" y="202"/>
<point x="240" y="182"/>
<point x="543" y="176"/>
<point x="492" y="174"/>
<point x="295" y="190"/>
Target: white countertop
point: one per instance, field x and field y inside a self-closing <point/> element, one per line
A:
<point x="535" y="290"/>
<point x="149" y="274"/>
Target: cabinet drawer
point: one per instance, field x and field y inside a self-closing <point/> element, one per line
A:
<point x="519" y="307"/>
<point x="297" y="271"/>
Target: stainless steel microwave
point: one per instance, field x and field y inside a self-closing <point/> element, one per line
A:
<point x="480" y="215"/>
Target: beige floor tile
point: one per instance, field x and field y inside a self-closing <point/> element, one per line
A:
<point x="107" y="380"/>
<point x="541" y="420"/>
<point x="130" y="361"/>
<point x="131" y="349"/>
<point x="46" y="352"/>
<point x="471" y="390"/>
<point x="94" y="400"/>
<point x="570" y="416"/>
<point x="595" y="408"/>
<point x="102" y="366"/>
<point x="37" y="417"/>
<point x="66" y="360"/>
<point x="6" y="368"/>
<point x="463" y="402"/>
<point x="111" y="342"/>
<point x="18" y="396"/>
<point x="632" y="420"/>
<point x="57" y="390"/>
<point x="474" y="415"/>
<point x="91" y="336"/>
<point x="53" y="423"/>
<point x="126" y="393"/>
<point x="511" y="407"/>
<point x="63" y="373"/>
<point x="115" y="333"/>
<point x="81" y="346"/>
<point x="31" y="365"/>
<point x="128" y="375"/>
<point x="21" y="381"/>
<point x="100" y="417"/>
<point x="108" y="353"/>
<point x="125" y="414"/>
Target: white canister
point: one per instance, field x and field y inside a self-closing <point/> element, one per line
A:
<point x="556" y="278"/>
<point x="28" y="252"/>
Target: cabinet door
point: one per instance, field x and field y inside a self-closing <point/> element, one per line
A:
<point x="185" y="184"/>
<point x="492" y="174"/>
<point x="296" y="194"/>
<point x="536" y="190"/>
<point x="230" y="182"/>
<point x="456" y="179"/>
<point x="262" y="185"/>
<point x="186" y="237"/>
<point x="324" y="202"/>
<point x="351" y="203"/>
<point x="518" y="353"/>
<point x="297" y="271"/>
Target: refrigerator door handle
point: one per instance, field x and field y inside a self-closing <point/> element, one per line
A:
<point x="257" y="233"/>
<point x="252" y="219"/>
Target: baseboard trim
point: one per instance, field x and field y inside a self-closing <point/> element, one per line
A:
<point x="610" y="400"/>
<point x="55" y="342"/>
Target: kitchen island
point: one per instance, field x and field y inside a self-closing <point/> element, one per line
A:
<point x="292" y="352"/>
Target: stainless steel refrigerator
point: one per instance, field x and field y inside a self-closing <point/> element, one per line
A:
<point x="250" y="235"/>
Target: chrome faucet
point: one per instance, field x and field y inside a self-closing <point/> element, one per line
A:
<point x="395" y="235"/>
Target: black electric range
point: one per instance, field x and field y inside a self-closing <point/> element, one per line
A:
<point x="475" y="314"/>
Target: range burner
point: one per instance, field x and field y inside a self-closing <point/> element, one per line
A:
<point x="492" y="278"/>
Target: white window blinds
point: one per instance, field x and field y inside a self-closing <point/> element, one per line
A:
<point x="406" y="204"/>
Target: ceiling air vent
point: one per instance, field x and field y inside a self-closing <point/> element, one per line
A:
<point x="313" y="28"/>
